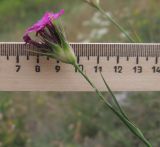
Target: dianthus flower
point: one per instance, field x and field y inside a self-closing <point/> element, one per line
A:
<point x="51" y="38"/>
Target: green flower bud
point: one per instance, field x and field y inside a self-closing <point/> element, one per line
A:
<point x="64" y="54"/>
<point x="94" y="3"/>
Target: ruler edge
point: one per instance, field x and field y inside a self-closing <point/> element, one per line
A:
<point x="90" y="43"/>
<point x="79" y="53"/>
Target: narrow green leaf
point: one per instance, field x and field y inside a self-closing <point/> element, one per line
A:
<point x="113" y="97"/>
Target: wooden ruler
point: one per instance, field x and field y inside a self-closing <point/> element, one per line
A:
<point x="126" y="67"/>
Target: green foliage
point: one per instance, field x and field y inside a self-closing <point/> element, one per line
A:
<point x="18" y="14"/>
<point x="147" y="22"/>
<point x="11" y="125"/>
<point x="75" y="119"/>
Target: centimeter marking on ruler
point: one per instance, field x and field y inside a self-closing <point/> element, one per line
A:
<point x="90" y="49"/>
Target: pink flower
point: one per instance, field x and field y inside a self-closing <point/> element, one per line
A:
<point x="51" y="38"/>
<point x="47" y="18"/>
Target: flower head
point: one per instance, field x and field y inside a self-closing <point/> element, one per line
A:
<point x="94" y="3"/>
<point x="51" y="37"/>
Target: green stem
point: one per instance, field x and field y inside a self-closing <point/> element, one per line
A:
<point x="131" y="126"/>
<point x="114" y="98"/>
<point x="112" y="20"/>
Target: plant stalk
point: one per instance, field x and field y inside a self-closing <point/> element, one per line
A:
<point x="115" y="23"/>
<point x="130" y="125"/>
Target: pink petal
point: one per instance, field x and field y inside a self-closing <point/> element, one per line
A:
<point x="45" y="20"/>
<point x="57" y="15"/>
<point x="26" y="38"/>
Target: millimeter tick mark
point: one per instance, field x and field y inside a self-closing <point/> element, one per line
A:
<point x="137" y="60"/>
<point x="156" y="61"/>
<point x="117" y="59"/>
